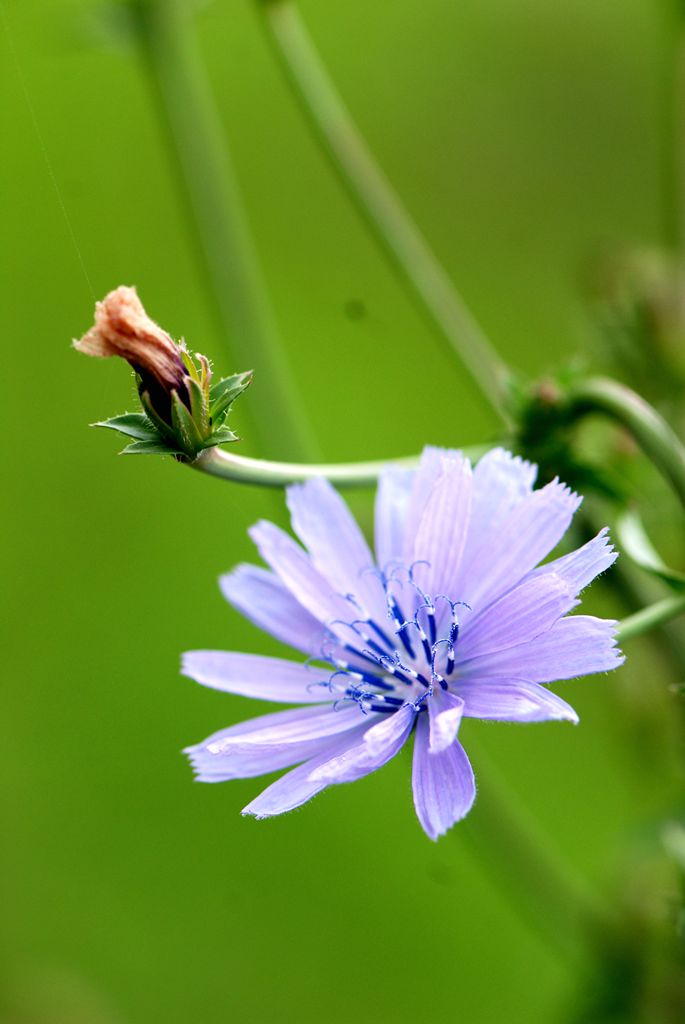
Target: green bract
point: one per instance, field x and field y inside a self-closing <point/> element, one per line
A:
<point x="195" y="424"/>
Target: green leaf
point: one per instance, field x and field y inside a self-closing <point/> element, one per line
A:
<point x="224" y="393"/>
<point x="133" y="424"/>
<point x="188" y="436"/>
<point x="637" y="545"/>
<point x="149" y="448"/>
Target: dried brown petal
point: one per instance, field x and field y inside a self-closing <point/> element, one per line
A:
<point x="123" y="328"/>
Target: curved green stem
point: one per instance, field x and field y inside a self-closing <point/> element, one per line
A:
<point x="649" y="618"/>
<point x="651" y="431"/>
<point x="379" y="203"/>
<point x="240" y="469"/>
<point x="166" y="32"/>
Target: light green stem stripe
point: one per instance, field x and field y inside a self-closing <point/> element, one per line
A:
<point x="168" y="37"/>
<point x="649" y="618"/>
<point x="651" y="431"/>
<point x="379" y="203"/>
<point x="535" y="875"/>
<point x="242" y="470"/>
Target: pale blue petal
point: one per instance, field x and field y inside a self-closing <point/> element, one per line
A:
<point x="534" y="528"/>
<point x="443" y="784"/>
<point x="296" y="787"/>
<point x="263" y="599"/>
<point x="430" y="468"/>
<point x="252" y="675"/>
<point x="526" y="612"/>
<point x="392" y="501"/>
<point x="379" y="745"/>
<point x="336" y="545"/>
<point x="581" y="566"/>
<point x="577" y="646"/>
<point x="269" y="743"/>
<point x="295" y="569"/>
<point x="442" y="529"/>
<point x="513" y="700"/>
<point x="445" y="711"/>
<point x="500" y="482"/>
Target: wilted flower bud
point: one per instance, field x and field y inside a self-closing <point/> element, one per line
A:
<point x="184" y="412"/>
<point x="123" y="328"/>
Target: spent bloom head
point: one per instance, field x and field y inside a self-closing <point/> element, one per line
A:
<point x="183" y="411"/>
<point x="453" y="619"/>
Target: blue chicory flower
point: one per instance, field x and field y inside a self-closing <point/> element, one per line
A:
<point x="454" y="619"/>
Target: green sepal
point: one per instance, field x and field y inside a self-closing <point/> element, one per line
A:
<point x="223" y="435"/>
<point x="186" y="432"/>
<point x="150" y="448"/>
<point x="224" y="393"/>
<point x="133" y="424"/>
<point x="637" y="545"/>
<point x="163" y="428"/>
<point x="198" y="407"/>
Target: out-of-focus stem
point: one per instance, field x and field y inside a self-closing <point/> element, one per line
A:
<point x="167" y="33"/>
<point x="259" y="472"/>
<point x="651" y="431"/>
<point x="536" y="875"/>
<point x="649" y="618"/>
<point x="379" y="203"/>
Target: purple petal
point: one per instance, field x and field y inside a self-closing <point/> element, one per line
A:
<point x="392" y="501"/>
<point x="513" y="700"/>
<point x="336" y="545"/>
<point x="270" y="742"/>
<point x="445" y="713"/>
<point x="380" y="744"/>
<point x="430" y="468"/>
<point x="577" y="646"/>
<point x="443" y="784"/>
<point x="261" y="597"/>
<point x="296" y="787"/>
<point x="580" y="567"/>
<point x="295" y="569"/>
<point x="252" y="675"/>
<point x="524" y="613"/>
<point x="535" y="526"/>
<point x="442" y="529"/>
<point x="500" y="482"/>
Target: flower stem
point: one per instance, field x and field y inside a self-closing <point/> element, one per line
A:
<point x="648" y="618"/>
<point x="379" y="204"/>
<point x="259" y="472"/>
<point x="168" y="39"/>
<point x="656" y="438"/>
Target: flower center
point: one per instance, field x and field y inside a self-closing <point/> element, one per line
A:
<point x="383" y="667"/>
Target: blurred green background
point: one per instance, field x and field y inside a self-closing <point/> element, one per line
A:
<point x="525" y="137"/>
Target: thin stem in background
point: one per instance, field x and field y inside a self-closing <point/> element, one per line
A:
<point x="168" y="39"/>
<point x="650" y="617"/>
<point x="379" y="204"/>
<point x="657" y="439"/>
<point x="535" y="875"/>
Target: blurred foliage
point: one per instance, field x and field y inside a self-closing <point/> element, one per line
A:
<point x="524" y="137"/>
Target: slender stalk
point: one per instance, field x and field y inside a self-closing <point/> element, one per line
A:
<point x="651" y="431"/>
<point x="533" y="872"/>
<point x="239" y="469"/>
<point x="378" y="202"/>
<point x="648" y="618"/>
<point x="167" y="35"/>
